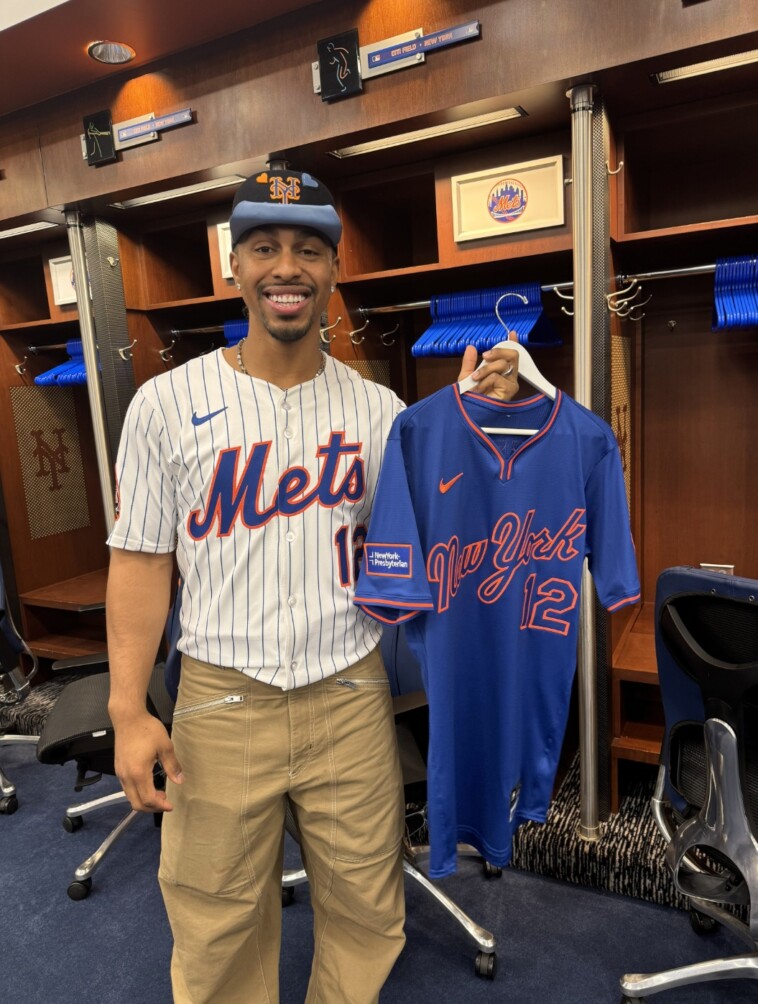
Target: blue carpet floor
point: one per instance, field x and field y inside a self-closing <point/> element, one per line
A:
<point x="557" y="943"/>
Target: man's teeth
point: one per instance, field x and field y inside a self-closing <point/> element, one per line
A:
<point x="286" y="297"/>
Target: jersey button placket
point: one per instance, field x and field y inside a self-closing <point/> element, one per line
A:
<point x="285" y="531"/>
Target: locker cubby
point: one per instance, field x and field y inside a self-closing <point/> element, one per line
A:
<point x="175" y="264"/>
<point x="389" y="224"/>
<point x="23" y="293"/>
<point x="689" y="166"/>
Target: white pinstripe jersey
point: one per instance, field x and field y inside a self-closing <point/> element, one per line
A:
<point x="265" y="494"/>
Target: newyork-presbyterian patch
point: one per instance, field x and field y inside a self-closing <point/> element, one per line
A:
<point x="389" y="559"/>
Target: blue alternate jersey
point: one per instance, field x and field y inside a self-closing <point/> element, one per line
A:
<point x="478" y="542"/>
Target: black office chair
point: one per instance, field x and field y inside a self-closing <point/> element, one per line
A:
<point x="79" y="729"/>
<point x="706" y="797"/>
<point x="18" y="666"/>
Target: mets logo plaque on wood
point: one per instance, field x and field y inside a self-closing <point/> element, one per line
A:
<point x="507" y="200"/>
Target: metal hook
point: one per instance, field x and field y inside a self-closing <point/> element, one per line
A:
<point x="385" y="334"/>
<point x="323" y="331"/>
<point x="617" y="296"/>
<point x="127" y="348"/>
<point x="165" y="353"/>
<point x="524" y="299"/>
<point x="357" y="330"/>
<point x="19" y="367"/>
<point x="634" y="306"/>
<point x="621" y="292"/>
<point x="567" y="312"/>
<point x="563" y="296"/>
<point x="636" y="318"/>
<point x="624" y="314"/>
<point x="608" y="167"/>
<point x="623" y="308"/>
<point x="618" y="306"/>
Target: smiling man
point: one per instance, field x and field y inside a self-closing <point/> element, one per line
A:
<point x="256" y="466"/>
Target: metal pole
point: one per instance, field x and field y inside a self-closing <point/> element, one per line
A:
<point x="425" y="304"/>
<point x="89" y="345"/>
<point x="581" y="98"/>
<point x="671" y="273"/>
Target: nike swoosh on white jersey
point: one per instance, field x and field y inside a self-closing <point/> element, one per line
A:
<point x="202" y="419"/>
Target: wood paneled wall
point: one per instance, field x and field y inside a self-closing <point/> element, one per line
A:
<point x="252" y="92"/>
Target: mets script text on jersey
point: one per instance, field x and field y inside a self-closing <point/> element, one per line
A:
<point x="231" y="498"/>
<point x="516" y="546"/>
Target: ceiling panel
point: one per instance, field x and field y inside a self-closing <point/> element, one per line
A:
<point x="45" y="55"/>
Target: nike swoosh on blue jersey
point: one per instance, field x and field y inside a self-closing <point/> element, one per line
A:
<point x="201" y="419"/>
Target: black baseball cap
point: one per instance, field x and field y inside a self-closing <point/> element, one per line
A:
<point x="284" y="198"/>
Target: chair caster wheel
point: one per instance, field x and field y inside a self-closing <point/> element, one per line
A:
<point x="288" y="895"/>
<point x="486" y="964"/>
<point x="80" y="890"/>
<point x="492" y="871"/>
<point x="72" y="823"/>
<point x="701" y="923"/>
<point x="8" y="805"/>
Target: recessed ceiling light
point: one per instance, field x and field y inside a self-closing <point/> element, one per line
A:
<point x="29" y="228"/>
<point x="177" y="193"/>
<point x="110" y="52"/>
<point x="475" y="122"/>
<point x="708" y="66"/>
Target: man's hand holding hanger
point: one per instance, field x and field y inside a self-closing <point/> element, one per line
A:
<point x="498" y="376"/>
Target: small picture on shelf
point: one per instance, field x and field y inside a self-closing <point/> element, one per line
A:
<point x="224" y="249"/>
<point x="62" y="276"/>
<point x="508" y="199"/>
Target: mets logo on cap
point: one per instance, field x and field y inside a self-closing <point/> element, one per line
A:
<point x="284" y="190"/>
<point x="507" y="200"/>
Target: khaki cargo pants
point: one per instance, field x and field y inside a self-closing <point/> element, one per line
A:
<point x="244" y="747"/>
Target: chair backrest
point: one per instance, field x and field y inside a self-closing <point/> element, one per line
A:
<point x="79" y="726"/>
<point x="706" y="636"/>
<point x="706" y="630"/>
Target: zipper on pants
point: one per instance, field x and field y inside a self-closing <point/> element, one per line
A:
<point x="207" y="705"/>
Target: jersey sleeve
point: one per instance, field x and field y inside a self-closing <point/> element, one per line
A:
<point x="392" y="585"/>
<point x="612" y="558"/>
<point x="145" y="502"/>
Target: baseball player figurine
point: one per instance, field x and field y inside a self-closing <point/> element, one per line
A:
<point x="255" y="469"/>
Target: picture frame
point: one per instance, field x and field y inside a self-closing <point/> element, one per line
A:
<point x="62" y="279"/>
<point x="224" y="234"/>
<point x="510" y="199"/>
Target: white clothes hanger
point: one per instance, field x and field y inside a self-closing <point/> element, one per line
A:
<point x="527" y="369"/>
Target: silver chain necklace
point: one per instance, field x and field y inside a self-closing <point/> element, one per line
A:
<point x="319" y="371"/>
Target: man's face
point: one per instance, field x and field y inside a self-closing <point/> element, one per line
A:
<point x="285" y="275"/>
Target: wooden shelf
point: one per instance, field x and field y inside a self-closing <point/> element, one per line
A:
<point x="634" y="657"/>
<point x="45" y="322"/>
<point x="83" y="592"/>
<point x="644" y="745"/>
<point x="191" y="302"/>
<point x="691" y="228"/>
<point x="390" y="273"/>
<point x="64" y="646"/>
<point x="636" y="711"/>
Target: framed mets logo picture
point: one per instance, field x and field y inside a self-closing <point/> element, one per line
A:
<point x="506" y="200"/>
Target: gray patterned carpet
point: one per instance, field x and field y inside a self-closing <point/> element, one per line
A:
<point x="627" y="859"/>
